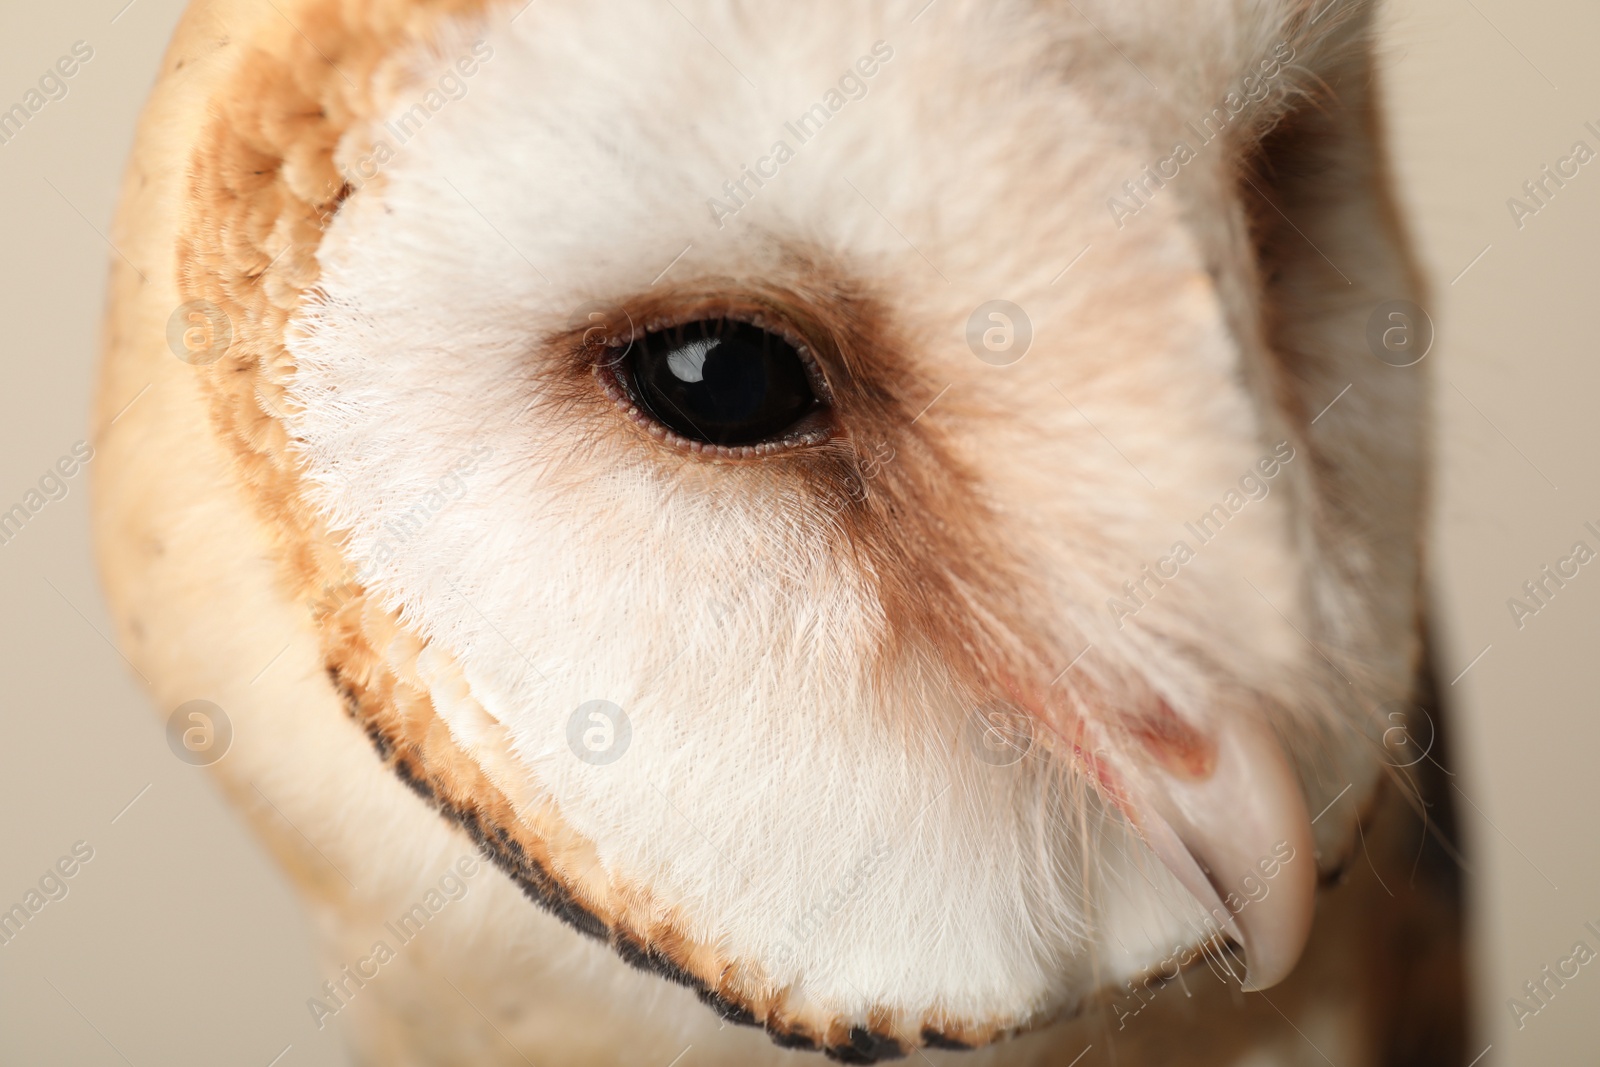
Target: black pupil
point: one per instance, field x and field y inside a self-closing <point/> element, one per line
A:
<point x="723" y="382"/>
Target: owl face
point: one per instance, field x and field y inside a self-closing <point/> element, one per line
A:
<point x="818" y="493"/>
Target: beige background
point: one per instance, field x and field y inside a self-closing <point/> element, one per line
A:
<point x="179" y="943"/>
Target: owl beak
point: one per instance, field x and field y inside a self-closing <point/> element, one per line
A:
<point x="1233" y="830"/>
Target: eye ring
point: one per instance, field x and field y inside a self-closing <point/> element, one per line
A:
<point x="718" y="381"/>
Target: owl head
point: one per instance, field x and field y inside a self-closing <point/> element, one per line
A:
<point x="885" y="514"/>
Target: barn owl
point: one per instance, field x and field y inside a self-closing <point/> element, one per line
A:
<point x="722" y="531"/>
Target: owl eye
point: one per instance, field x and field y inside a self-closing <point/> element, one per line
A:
<point x="724" y="383"/>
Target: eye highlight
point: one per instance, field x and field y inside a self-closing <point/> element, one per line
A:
<point x="725" y="383"/>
